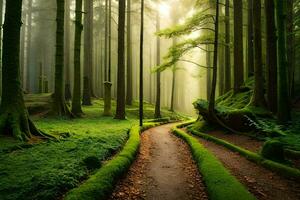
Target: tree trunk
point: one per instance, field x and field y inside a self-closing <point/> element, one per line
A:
<point x="208" y="72"/>
<point x="291" y="46"/>
<point x="158" y="81"/>
<point x="59" y="105"/>
<point x="238" y="45"/>
<point x="173" y="81"/>
<point x="142" y="65"/>
<point x="271" y="55"/>
<point x="250" y="39"/>
<point x="68" y="94"/>
<point x="211" y="107"/>
<point x="88" y="52"/>
<point x="258" y="95"/>
<point x="14" y="118"/>
<point x="28" y="46"/>
<point x="120" y="111"/>
<point x="129" y="56"/>
<point x="76" y="101"/>
<point x="227" y="48"/>
<point x="283" y="109"/>
<point x="1" y="19"/>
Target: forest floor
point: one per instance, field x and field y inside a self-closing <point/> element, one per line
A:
<point x="164" y="170"/>
<point x="263" y="183"/>
<point x="48" y="169"/>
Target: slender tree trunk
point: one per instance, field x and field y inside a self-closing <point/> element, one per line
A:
<point x="211" y="107"/>
<point x="120" y="111"/>
<point x="88" y="58"/>
<point x="76" y="101"/>
<point x="142" y="65"/>
<point x="271" y="55"/>
<point x="238" y="45"/>
<point x="129" y="56"/>
<point x="258" y="96"/>
<point x="227" y="48"/>
<point x="59" y="105"/>
<point x="158" y="81"/>
<point x="14" y="118"/>
<point x="250" y="39"/>
<point x="291" y="45"/>
<point x="283" y="109"/>
<point x="1" y="20"/>
<point x="208" y="72"/>
<point x="173" y="81"/>
<point x="28" y="46"/>
<point x="68" y="94"/>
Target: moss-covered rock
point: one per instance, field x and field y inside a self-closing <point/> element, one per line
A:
<point x="273" y="150"/>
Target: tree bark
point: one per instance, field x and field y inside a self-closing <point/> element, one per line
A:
<point x="283" y="104"/>
<point x="258" y="95"/>
<point x="59" y="105"/>
<point x="208" y="72"/>
<point x="76" y="101"/>
<point x="271" y="55"/>
<point x="158" y="81"/>
<point x="68" y="94"/>
<point x="1" y="19"/>
<point x="120" y="111"/>
<point x="129" y="93"/>
<point x="238" y="45"/>
<point x="88" y="53"/>
<point x="14" y="118"/>
<point x="250" y="40"/>
<point x="28" y="46"/>
<point x="291" y="46"/>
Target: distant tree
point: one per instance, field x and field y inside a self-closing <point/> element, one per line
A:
<point x="88" y="53"/>
<point x="271" y="55"/>
<point x="60" y="107"/>
<point x="238" y="45"/>
<point x="76" y="102"/>
<point x="258" y="96"/>
<point x="157" y="113"/>
<point x="68" y="94"/>
<point x="14" y="117"/>
<point x="120" y="111"/>
<point x="284" y="108"/>
<point x="129" y="56"/>
<point x="227" y="47"/>
<point x="141" y="107"/>
<point x="28" y="46"/>
<point x="250" y="48"/>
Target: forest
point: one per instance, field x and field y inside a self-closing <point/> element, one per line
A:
<point x="149" y="99"/>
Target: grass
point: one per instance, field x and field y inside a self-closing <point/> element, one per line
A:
<point x="219" y="182"/>
<point x="255" y="157"/>
<point x="49" y="169"/>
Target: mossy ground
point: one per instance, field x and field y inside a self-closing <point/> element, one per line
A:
<point x="48" y="169"/>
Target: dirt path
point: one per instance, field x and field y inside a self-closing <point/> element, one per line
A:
<point x="264" y="184"/>
<point x="164" y="170"/>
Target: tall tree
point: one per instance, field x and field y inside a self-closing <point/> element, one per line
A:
<point x="271" y="55"/>
<point x="68" y="95"/>
<point x="238" y="45"/>
<point x="157" y="113"/>
<point x="129" y="56"/>
<point x="107" y="60"/>
<point x="283" y="104"/>
<point x="250" y="49"/>
<point x="76" y="101"/>
<point x="142" y="65"/>
<point x="227" y="48"/>
<point x="1" y="19"/>
<point x="28" y="46"/>
<point x="59" y="104"/>
<point x="88" y="53"/>
<point x="258" y="96"/>
<point x="14" y="118"/>
<point x="173" y="81"/>
<point x="120" y="111"/>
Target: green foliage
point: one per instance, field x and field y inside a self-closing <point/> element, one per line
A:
<point x="219" y="182"/>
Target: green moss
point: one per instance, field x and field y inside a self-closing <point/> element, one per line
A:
<point x="219" y="182"/>
<point x="273" y="150"/>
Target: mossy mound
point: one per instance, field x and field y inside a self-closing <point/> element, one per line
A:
<point x="92" y="162"/>
<point x="273" y="150"/>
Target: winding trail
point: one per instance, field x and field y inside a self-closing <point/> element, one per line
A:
<point x="164" y="170"/>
